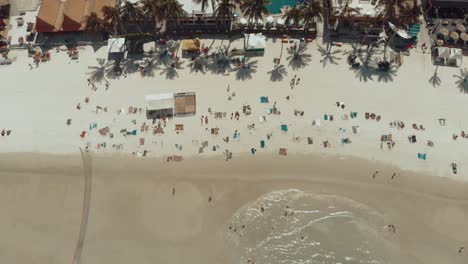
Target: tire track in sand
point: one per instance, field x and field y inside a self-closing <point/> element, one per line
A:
<point x="87" y="169"/>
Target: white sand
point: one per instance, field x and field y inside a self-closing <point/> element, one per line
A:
<point x="36" y="103"/>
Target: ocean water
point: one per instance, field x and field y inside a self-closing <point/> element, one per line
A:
<point x="275" y="6"/>
<point x="297" y="227"/>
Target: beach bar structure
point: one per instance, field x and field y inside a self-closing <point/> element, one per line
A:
<point x="68" y="15"/>
<point x="170" y="105"/>
<point x="190" y="47"/>
<point x="254" y="44"/>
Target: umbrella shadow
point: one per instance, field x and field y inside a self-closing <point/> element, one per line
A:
<point x="298" y="58"/>
<point x="328" y="56"/>
<point x="435" y="79"/>
<point x="246" y="69"/>
<point x="278" y="73"/>
<point x="98" y="73"/>
<point x="462" y="80"/>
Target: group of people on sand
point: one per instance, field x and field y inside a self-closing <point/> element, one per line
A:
<point x="294" y="82"/>
<point x="377" y="172"/>
<point x="6" y="132"/>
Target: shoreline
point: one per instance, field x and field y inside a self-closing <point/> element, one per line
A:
<point x="430" y="213"/>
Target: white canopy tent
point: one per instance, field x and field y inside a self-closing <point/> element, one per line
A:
<point x="159" y="105"/>
<point x="116" y="45"/>
<point x="448" y="56"/>
<point x="254" y="44"/>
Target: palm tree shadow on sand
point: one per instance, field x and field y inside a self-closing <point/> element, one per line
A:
<point x="278" y="73"/>
<point x="462" y="80"/>
<point x="298" y="58"/>
<point x="364" y="73"/>
<point x="171" y="70"/>
<point x="198" y="65"/>
<point x="246" y="69"/>
<point x="98" y="73"/>
<point x="328" y="56"/>
<point x="435" y="79"/>
<point x="386" y="75"/>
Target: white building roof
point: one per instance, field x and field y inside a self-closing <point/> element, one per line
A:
<point x="191" y="7"/>
<point x="159" y="101"/>
<point x="116" y="45"/>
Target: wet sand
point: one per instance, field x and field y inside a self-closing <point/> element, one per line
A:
<point x="135" y="218"/>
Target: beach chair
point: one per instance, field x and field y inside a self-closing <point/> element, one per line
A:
<point x="355" y="129"/>
<point x="283" y="152"/>
<point x="83" y="134"/>
<point x="262" y="143"/>
<point x="142" y="141"/>
<point x="264" y="100"/>
<point x="134" y="132"/>
<point x="422" y="156"/>
<point x="310" y="141"/>
<point x="284" y="128"/>
<point x="367" y="115"/>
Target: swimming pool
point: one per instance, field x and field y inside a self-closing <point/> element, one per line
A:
<point x="276" y="5"/>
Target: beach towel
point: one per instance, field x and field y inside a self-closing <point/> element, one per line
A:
<point x="310" y="141"/>
<point x="355" y="129"/>
<point x="134" y="132"/>
<point x="353" y="114"/>
<point x="422" y="156"/>
<point x="325" y="117"/>
<point x="264" y="100"/>
<point x="284" y="128"/>
<point x="262" y="143"/>
<point x="142" y="141"/>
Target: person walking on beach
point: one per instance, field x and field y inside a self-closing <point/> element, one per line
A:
<point x="206" y="120"/>
<point x="393" y="176"/>
<point x="173" y="191"/>
<point x="201" y="120"/>
<point x="460" y="250"/>
<point x="375" y="174"/>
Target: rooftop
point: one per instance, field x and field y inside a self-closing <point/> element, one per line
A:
<point x="363" y="7"/>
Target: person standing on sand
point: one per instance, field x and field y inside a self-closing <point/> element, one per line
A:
<point x="460" y="250"/>
<point x="201" y="120"/>
<point x="173" y="191"/>
<point x="393" y="175"/>
<point x="206" y="120"/>
<point x="375" y="174"/>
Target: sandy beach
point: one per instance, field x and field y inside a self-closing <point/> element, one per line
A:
<point x="135" y="217"/>
<point x="40" y="100"/>
<point x="353" y="174"/>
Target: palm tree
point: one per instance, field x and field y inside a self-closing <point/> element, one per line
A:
<point x="410" y="14"/>
<point x="94" y="23"/>
<point x="278" y="73"/>
<point x="130" y="12"/>
<point x="312" y="11"/>
<point x="112" y="18"/>
<point x="224" y="10"/>
<point x="170" y="10"/>
<point x="293" y="15"/>
<point x="98" y="73"/>
<point x="462" y="80"/>
<point x="204" y="4"/>
<point x="255" y="9"/>
<point x="435" y="79"/>
<point x="328" y="55"/>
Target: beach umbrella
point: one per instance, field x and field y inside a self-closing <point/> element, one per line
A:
<point x="444" y="32"/>
<point x="243" y="21"/>
<point x="439" y="42"/>
<point x="461" y="28"/>
<point x="259" y="22"/>
<point x="464" y="37"/>
<point x="454" y="35"/>
<point x="270" y="20"/>
<point x="280" y="22"/>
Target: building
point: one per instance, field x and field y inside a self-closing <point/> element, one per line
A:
<point x="198" y="20"/>
<point x="67" y="15"/>
<point x="354" y="17"/>
<point x="170" y="105"/>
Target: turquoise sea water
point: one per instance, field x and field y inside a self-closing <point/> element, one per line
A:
<point x="276" y="5"/>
